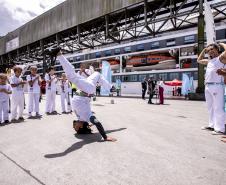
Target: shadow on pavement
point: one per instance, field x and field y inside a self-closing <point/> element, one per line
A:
<point x="86" y="139"/>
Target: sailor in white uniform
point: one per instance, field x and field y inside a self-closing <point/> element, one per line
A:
<point x="51" y="83"/>
<point x="33" y="91"/>
<point x="5" y="91"/>
<point x="87" y="87"/>
<point x="214" y="87"/>
<point x="17" y="101"/>
<point x="64" y="94"/>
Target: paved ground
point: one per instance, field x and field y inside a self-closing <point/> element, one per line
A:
<point x="157" y="145"/>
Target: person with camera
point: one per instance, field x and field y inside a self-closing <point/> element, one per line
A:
<point x="214" y="86"/>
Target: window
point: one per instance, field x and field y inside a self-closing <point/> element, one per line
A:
<point x="195" y="75"/>
<point x="163" y="76"/>
<point x="125" y="78"/>
<point x="140" y="47"/>
<point x="77" y="65"/>
<point x="114" y="78"/>
<point x="187" y="51"/>
<point x="127" y="49"/>
<point x="154" y="76"/>
<point x="188" y="73"/>
<point x="133" y="78"/>
<point x="189" y="39"/>
<point x="108" y="53"/>
<point x="171" y="42"/>
<point x="154" y="45"/>
<point x="98" y="55"/>
<point x="78" y="58"/>
<point x="141" y="77"/>
<point x="71" y="59"/>
<point x="173" y="76"/>
<point x="117" y="51"/>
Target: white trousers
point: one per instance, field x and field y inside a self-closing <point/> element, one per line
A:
<point x="33" y="102"/>
<point x="215" y="103"/>
<point x="4" y="110"/>
<point x="87" y="85"/>
<point x="17" y="104"/>
<point x="65" y="98"/>
<point x="50" y="101"/>
<point x="81" y="107"/>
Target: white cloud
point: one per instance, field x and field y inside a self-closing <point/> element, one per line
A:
<point x="19" y="12"/>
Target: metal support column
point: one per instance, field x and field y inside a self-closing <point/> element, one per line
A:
<point x="18" y="55"/>
<point x="200" y="88"/>
<point x="44" y="57"/>
<point x="57" y="39"/>
<point x="120" y="65"/>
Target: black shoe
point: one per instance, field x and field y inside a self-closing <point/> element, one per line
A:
<point x="207" y="128"/>
<point x="6" y="121"/>
<point x="52" y="51"/>
<point x="21" y="119"/>
<point x="54" y="112"/>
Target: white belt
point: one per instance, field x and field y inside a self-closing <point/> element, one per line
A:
<point x="214" y="83"/>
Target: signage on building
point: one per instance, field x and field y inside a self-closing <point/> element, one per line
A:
<point x="12" y="44"/>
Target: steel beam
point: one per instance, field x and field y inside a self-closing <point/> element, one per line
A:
<point x="200" y="88"/>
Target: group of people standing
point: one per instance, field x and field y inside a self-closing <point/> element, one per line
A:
<point x="85" y="80"/>
<point x="152" y="88"/>
<point x="14" y="86"/>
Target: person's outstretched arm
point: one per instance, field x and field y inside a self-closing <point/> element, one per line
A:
<point x="201" y="59"/>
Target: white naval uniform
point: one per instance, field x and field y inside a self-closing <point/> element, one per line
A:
<point x="80" y="104"/>
<point x="64" y="94"/>
<point x="17" y="100"/>
<point x="214" y="93"/>
<point x="33" y="95"/>
<point x="4" y="103"/>
<point x="50" y="93"/>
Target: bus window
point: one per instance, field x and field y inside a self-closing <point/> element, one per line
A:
<point x="173" y="76"/>
<point x="195" y="75"/>
<point x="141" y="77"/>
<point x="188" y="73"/>
<point x="127" y="49"/>
<point x="140" y="47"/>
<point x="133" y="78"/>
<point x="189" y="39"/>
<point x="171" y="42"/>
<point x="98" y="55"/>
<point x="108" y="53"/>
<point x="77" y="65"/>
<point x="117" y="51"/>
<point x="78" y="58"/>
<point x="154" y="45"/>
<point x="125" y="78"/>
<point x="163" y="76"/>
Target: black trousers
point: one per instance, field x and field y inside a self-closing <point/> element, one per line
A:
<point x="150" y="98"/>
<point x="143" y="93"/>
<point x="99" y="126"/>
<point x="73" y="91"/>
